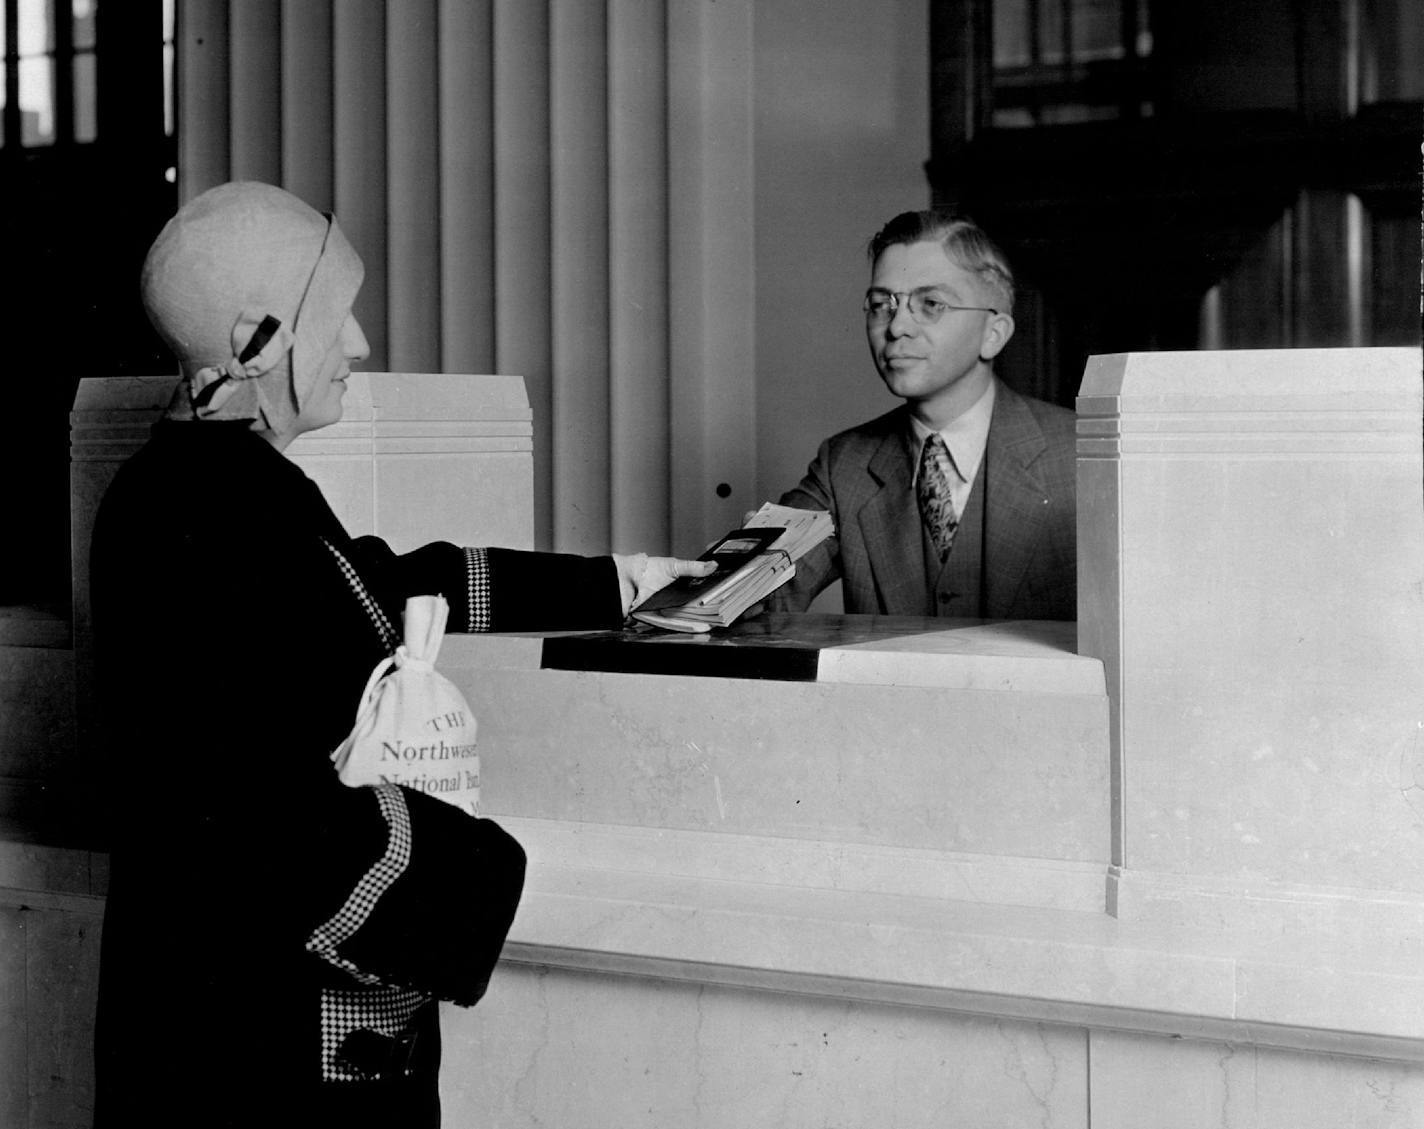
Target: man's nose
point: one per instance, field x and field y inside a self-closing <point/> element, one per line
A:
<point x="901" y="321"/>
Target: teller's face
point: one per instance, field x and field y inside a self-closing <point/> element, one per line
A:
<point x="937" y="362"/>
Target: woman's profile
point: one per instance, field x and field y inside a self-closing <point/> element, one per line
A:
<point x="275" y="943"/>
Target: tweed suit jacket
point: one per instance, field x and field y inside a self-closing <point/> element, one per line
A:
<point x="865" y="476"/>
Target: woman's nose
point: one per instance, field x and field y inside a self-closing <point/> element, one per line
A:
<point x="353" y="341"/>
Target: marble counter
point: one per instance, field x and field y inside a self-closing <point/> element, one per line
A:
<point x="868" y="649"/>
<point x="994" y="758"/>
<point x="915" y="815"/>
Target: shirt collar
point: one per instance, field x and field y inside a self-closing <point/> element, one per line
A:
<point x="966" y="435"/>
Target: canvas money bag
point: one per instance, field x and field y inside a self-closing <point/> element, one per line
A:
<point x="413" y="726"/>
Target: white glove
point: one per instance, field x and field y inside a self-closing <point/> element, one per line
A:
<point x="640" y="575"/>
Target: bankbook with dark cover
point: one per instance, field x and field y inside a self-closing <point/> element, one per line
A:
<point x="752" y="562"/>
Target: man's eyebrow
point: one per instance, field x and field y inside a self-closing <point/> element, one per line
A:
<point x="947" y="287"/>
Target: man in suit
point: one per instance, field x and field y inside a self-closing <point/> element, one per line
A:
<point x="960" y="501"/>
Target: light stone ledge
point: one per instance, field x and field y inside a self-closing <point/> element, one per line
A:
<point x="446" y="396"/>
<point x="1021" y="656"/>
<point x="1262" y="421"/>
<point x="114" y="443"/>
<point x="28" y="629"/>
<point x="810" y="864"/>
<point x="1249" y="446"/>
<point x="35" y="867"/>
<point x="1386" y="924"/>
<point x="1035" y="964"/>
<point x="87" y="905"/>
<point x="451" y="429"/>
<point x="339" y="446"/>
<point x="400" y="445"/>
<point x="1018" y="656"/>
<point x="1194" y="396"/>
<point x="1091" y="455"/>
<point x="1205" y="1029"/>
<point x="1348" y="379"/>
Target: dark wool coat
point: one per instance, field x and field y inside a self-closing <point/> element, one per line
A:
<point x="232" y="650"/>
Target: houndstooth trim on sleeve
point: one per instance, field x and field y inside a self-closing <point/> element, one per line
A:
<point x="361" y="902"/>
<point x="386" y="1010"/>
<point x="478" y="614"/>
<point x="378" y="618"/>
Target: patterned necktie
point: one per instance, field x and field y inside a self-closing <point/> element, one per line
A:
<point x="932" y="489"/>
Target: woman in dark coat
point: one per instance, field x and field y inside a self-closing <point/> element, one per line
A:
<point x="276" y="943"/>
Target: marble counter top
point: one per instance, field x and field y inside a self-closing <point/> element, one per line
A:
<point x="868" y="649"/>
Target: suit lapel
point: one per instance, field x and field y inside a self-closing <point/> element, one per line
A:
<point x="1015" y="509"/>
<point x="890" y="524"/>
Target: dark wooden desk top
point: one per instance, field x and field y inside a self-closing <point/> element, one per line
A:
<point x="776" y="646"/>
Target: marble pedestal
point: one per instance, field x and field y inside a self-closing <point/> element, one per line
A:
<point x="1251" y="555"/>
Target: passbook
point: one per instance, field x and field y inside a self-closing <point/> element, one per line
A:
<point x="752" y="562"/>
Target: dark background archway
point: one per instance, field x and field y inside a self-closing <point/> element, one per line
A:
<point x="85" y="190"/>
<point x="1170" y="176"/>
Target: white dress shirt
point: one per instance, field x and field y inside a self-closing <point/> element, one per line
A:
<point x="966" y="437"/>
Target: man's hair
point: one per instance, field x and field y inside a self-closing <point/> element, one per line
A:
<point x="963" y="240"/>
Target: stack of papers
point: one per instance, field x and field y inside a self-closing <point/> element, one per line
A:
<point x="752" y="562"/>
<point x="803" y="530"/>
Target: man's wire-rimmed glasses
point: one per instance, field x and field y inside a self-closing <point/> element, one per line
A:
<point x="925" y="303"/>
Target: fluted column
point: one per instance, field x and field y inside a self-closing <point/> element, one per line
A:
<point x="711" y="192"/>
<point x="255" y="35"/>
<point x="578" y="146"/>
<point x="307" y="151"/>
<point x="520" y="44"/>
<point x="466" y="70"/>
<point x="204" y="148"/>
<point x="413" y="188"/>
<point x="359" y="150"/>
<point x="638" y="273"/>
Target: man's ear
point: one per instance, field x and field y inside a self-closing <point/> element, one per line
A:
<point x="997" y="331"/>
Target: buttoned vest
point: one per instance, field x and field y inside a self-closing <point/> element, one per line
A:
<point x="956" y="588"/>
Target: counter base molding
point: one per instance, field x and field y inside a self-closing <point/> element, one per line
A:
<point x="1306" y="992"/>
<point x="1373" y="921"/>
<point x="645" y="1045"/>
